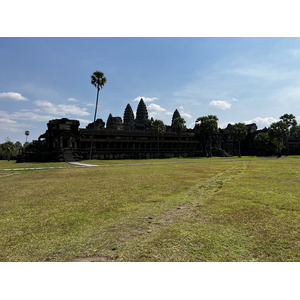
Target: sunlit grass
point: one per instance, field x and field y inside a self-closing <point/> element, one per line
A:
<point x="5" y="164"/>
<point x="170" y="160"/>
<point x="213" y="211"/>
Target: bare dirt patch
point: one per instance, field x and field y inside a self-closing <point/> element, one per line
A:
<point x="92" y="259"/>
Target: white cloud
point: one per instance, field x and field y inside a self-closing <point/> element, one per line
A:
<point x="84" y="121"/>
<point x="61" y="109"/>
<point x="12" y="96"/>
<point x="7" y="124"/>
<point x="262" y="122"/>
<point x="31" y="116"/>
<point x="183" y="113"/>
<point x="223" y="105"/>
<point x="156" y="107"/>
<point x="72" y="100"/>
<point x="7" y="121"/>
<point x="23" y="115"/>
<point x="145" y="99"/>
<point x="156" y="111"/>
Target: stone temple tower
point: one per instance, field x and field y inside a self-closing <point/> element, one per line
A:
<point x="141" y="121"/>
<point x="128" y="119"/>
<point x="114" y="123"/>
<point x="176" y="114"/>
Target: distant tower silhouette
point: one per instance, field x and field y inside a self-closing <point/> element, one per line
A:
<point x="27" y="134"/>
<point x="141" y="121"/>
<point x="128" y="118"/>
<point x="176" y="114"/>
<point x="109" y="121"/>
<point x="114" y="123"/>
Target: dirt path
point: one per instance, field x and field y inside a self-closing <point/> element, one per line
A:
<point x="144" y="226"/>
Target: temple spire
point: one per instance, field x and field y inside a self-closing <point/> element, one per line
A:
<point x="128" y="118"/>
<point x="176" y="115"/>
<point x="142" y="120"/>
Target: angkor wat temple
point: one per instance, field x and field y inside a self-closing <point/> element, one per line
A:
<point x="131" y="138"/>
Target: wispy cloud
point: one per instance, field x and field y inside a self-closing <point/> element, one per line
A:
<point x="156" y="107"/>
<point x="156" y="111"/>
<point x="183" y="113"/>
<point x="290" y="94"/>
<point x="8" y="124"/>
<point x="73" y="100"/>
<point x="24" y="115"/>
<point x="220" y="104"/>
<point x="60" y="109"/>
<point x="261" y="71"/>
<point x="261" y="121"/>
<point x="145" y="99"/>
<point x="12" y="96"/>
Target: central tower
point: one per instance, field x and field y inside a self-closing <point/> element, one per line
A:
<point x="141" y="121"/>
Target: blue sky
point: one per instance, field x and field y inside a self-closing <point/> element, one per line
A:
<point x="237" y="79"/>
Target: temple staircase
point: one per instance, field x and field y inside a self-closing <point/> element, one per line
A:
<point x="70" y="155"/>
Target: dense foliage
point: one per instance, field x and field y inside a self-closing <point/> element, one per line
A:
<point x="9" y="150"/>
<point x="206" y="127"/>
<point x="239" y="132"/>
<point x="278" y="132"/>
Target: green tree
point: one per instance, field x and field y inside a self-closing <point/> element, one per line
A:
<point x="18" y="148"/>
<point x="263" y="144"/>
<point x="7" y="148"/>
<point x="239" y="132"/>
<point x="178" y="125"/>
<point x="206" y="127"/>
<point x="295" y="131"/>
<point x="159" y="128"/>
<point x="98" y="80"/>
<point x="278" y="132"/>
<point x="18" y="145"/>
<point x="290" y="121"/>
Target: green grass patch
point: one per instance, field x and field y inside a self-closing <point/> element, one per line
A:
<point x="4" y="164"/>
<point x="171" y="160"/>
<point x="213" y="211"/>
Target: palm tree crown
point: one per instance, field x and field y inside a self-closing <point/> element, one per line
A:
<point x="98" y="79"/>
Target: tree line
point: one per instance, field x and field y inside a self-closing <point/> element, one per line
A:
<point x="10" y="150"/>
<point x="266" y="143"/>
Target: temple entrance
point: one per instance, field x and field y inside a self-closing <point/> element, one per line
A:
<point x="65" y="143"/>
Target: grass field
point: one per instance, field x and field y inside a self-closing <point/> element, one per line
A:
<point x="4" y="164"/>
<point x="209" y="210"/>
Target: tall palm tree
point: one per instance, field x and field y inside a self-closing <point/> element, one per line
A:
<point x="98" y="80"/>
